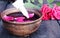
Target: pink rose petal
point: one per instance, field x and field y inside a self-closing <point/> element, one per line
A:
<point x="31" y="15"/>
<point x="20" y="19"/>
<point x="8" y="18"/>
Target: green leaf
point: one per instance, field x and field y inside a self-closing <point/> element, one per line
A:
<point x="40" y="1"/>
<point x="28" y="1"/>
<point x="51" y="5"/>
<point x="58" y="3"/>
<point x="30" y="5"/>
<point x="50" y="1"/>
<point x="32" y="0"/>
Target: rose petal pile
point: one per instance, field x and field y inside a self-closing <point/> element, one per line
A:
<point x="17" y="19"/>
<point x="50" y="13"/>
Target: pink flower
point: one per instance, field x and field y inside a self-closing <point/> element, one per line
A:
<point x="46" y="11"/>
<point x="20" y="19"/>
<point x="8" y="18"/>
<point x="56" y="12"/>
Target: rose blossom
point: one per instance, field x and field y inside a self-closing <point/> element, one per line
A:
<point x="46" y="11"/>
<point x="56" y="12"/>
